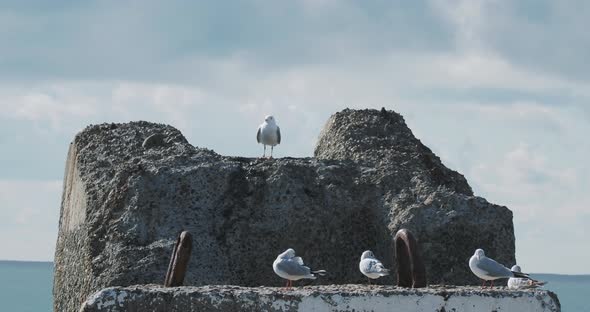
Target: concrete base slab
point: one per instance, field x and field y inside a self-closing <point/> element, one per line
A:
<point x="319" y="298"/>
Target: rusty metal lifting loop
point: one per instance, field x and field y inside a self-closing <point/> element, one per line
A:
<point x="179" y="260"/>
<point x="410" y="266"/>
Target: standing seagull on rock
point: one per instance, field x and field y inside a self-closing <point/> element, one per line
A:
<point x="489" y="270"/>
<point x="268" y="134"/>
<point x="371" y="267"/>
<point x="291" y="268"/>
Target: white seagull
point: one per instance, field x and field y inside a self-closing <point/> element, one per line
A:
<point x="489" y="270"/>
<point x="291" y="268"/>
<point x="518" y="283"/>
<point x="371" y="267"/>
<point x="268" y="134"/>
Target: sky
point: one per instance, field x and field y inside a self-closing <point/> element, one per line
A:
<point x="499" y="90"/>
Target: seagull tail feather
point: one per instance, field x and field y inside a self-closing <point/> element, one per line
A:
<point x="320" y="272"/>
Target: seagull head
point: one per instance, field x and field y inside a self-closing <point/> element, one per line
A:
<point x="367" y="254"/>
<point x="479" y="253"/>
<point x="269" y="119"/>
<point x="287" y="254"/>
<point x="515" y="268"/>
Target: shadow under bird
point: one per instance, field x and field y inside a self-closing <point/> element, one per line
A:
<point x="489" y="270"/>
<point x="268" y="134"/>
<point x="371" y="267"/>
<point x="291" y="268"/>
<point x="520" y="283"/>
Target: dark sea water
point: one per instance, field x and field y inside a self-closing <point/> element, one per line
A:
<point x="573" y="290"/>
<point x="26" y="287"/>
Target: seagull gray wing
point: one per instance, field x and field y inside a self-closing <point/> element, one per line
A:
<point x="493" y="268"/>
<point x="278" y="135"/>
<point x="292" y="267"/>
<point x="258" y="135"/>
<point x="367" y="265"/>
<point x="372" y="266"/>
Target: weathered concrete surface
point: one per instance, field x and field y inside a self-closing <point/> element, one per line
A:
<point x="318" y="298"/>
<point x="129" y="189"/>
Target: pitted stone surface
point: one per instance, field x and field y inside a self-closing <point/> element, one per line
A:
<point x="345" y="298"/>
<point x="384" y="141"/>
<point x="124" y="205"/>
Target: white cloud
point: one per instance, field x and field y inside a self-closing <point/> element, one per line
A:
<point x="69" y="106"/>
<point x="548" y="201"/>
<point x="516" y="110"/>
<point x="467" y="17"/>
<point x="524" y="170"/>
<point x="29" y="213"/>
<point x="174" y="102"/>
<point x="51" y="103"/>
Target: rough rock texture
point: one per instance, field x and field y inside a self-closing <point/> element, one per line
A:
<point x="416" y="191"/>
<point x="124" y="204"/>
<point x="318" y="298"/>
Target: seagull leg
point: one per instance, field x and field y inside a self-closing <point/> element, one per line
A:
<point x="484" y="284"/>
<point x="264" y="154"/>
<point x="492" y="284"/>
<point x="271" y="148"/>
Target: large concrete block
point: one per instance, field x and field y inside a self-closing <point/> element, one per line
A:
<point x="128" y="195"/>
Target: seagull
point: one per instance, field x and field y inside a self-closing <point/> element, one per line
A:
<point x="517" y="282"/>
<point x="291" y="268"/>
<point x="490" y="270"/>
<point x="371" y="267"/>
<point x="268" y="134"/>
